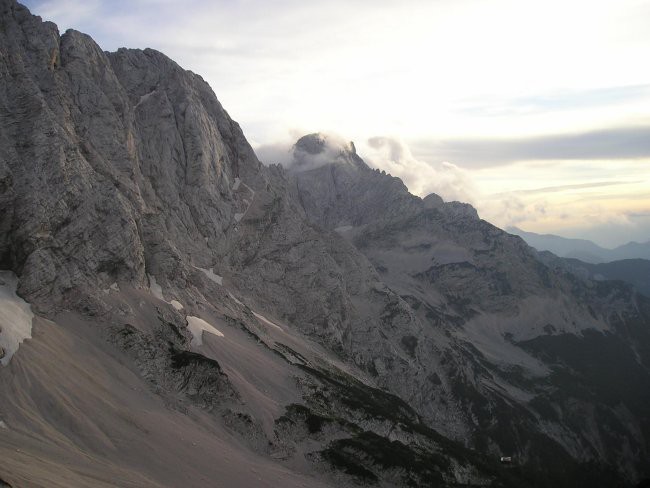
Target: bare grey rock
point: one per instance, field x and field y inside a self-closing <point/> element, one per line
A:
<point x="473" y="309"/>
<point x="389" y="323"/>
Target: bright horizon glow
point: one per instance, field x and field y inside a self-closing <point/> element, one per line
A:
<point x="460" y="81"/>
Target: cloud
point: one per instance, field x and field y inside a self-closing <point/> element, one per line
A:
<point x="67" y="13"/>
<point x="555" y="101"/>
<point x="386" y="153"/>
<point x="275" y="153"/>
<point x="511" y="209"/>
<point x="612" y="143"/>
<point x="304" y="153"/>
<point x="422" y="178"/>
<point x="579" y="186"/>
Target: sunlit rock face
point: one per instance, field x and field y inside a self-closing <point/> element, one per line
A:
<point x="199" y="316"/>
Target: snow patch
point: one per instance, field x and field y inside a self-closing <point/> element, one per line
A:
<point x="211" y="275"/>
<point x="265" y="320"/>
<point x="15" y="317"/>
<point x="2" y="425"/>
<point x="144" y="98"/>
<point x="235" y="187"/>
<point x="196" y="326"/>
<point x="239" y="216"/>
<point x="343" y="228"/>
<point x="235" y="299"/>
<point x="113" y="287"/>
<point x="155" y="288"/>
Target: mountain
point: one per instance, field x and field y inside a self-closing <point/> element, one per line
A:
<point x="175" y="313"/>
<point x="635" y="272"/>
<point x="582" y="249"/>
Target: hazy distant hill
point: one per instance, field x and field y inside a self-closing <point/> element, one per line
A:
<point x="635" y="272"/>
<point x="582" y="249"/>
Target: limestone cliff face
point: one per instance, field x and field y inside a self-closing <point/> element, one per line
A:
<point x="130" y="201"/>
<point x="109" y="160"/>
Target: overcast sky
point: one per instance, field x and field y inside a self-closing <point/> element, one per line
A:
<point x="537" y="113"/>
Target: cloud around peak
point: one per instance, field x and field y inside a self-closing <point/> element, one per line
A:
<point x="610" y="143"/>
<point x="309" y="152"/>
<point x="381" y="152"/>
<point x="422" y="178"/>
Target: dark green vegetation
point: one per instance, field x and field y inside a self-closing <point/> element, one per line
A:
<point x="367" y="454"/>
<point x="423" y="456"/>
<point x="635" y="272"/>
<point x="597" y="371"/>
<point x="163" y="362"/>
<point x="415" y="466"/>
<point x="314" y="422"/>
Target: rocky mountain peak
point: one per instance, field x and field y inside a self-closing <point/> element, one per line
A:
<point x="432" y="201"/>
<point x="338" y="189"/>
<point x="317" y="149"/>
<point x="311" y="143"/>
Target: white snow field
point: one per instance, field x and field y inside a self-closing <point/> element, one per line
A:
<point x="196" y="326"/>
<point x="211" y="275"/>
<point x="266" y="321"/>
<point x="156" y="289"/>
<point x="15" y="317"/>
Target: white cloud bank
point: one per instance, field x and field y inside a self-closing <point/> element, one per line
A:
<point x="422" y="178"/>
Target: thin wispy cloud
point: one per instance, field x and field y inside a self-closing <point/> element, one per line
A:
<point x="559" y="101"/>
<point x="611" y="143"/>
<point x="68" y="13"/>
<point x="580" y="186"/>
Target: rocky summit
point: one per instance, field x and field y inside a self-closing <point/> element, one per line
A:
<point x="175" y="313"/>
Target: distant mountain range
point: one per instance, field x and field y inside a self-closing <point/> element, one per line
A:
<point x="582" y="249"/>
<point x="635" y="272"/>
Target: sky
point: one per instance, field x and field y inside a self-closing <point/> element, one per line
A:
<point x="537" y="113"/>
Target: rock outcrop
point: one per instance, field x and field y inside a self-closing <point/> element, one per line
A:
<point x="365" y="335"/>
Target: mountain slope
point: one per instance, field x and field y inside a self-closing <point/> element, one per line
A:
<point x="582" y="249"/>
<point x="635" y="272"/>
<point x="136" y="216"/>
<point x="487" y="363"/>
<point x="202" y="319"/>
